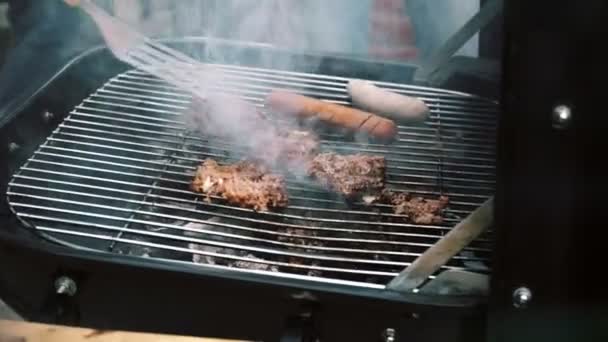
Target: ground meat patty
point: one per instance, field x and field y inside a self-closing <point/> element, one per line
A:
<point x="349" y="175"/>
<point x="245" y="184"/>
<point x="418" y="209"/>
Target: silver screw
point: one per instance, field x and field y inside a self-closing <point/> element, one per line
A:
<point x="389" y="335"/>
<point x="65" y="285"/>
<point x="521" y="297"/>
<point x="48" y="116"/>
<point x="13" y="147"/>
<point x="562" y="116"/>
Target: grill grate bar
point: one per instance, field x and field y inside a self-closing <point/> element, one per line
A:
<point x="466" y="127"/>
<point x="232" y="217"/>
<point x="192" y="169"/>
<point x="260" y="91"/>
<point x="480" y="175"/>
<point x="218" y="255"/>
<point x="297" y="217"/>
<point x="265" y="222"/>
<point x="398" y="152"/>
<point x="198" y="159"/>
<point x="339" y="82"/>
<point x="132" y="242"/>
<point x="178" y="122"/>
<point x="468" y="123"/>
<point x="186" y="183"/>
<point x="422" y="135"/>
<point x="202" y="241"/>
<point x="192" y="239"/>
<point x="27" y="168"/>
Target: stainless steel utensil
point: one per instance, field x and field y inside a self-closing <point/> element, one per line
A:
<point x="141" y="52"/>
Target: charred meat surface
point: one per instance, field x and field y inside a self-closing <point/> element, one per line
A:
<point x="418" y="209"/>
<point x="246" y="184"/>
<point x="349" y="175"/>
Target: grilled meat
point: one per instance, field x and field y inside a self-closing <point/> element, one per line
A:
<point x="419" y="210"/>
<point x="350" y="175"/>
<point x="245" y="184"/>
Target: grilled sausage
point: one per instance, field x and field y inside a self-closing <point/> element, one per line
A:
<point x="353" y="119"/>
<point x="368" y="96"/>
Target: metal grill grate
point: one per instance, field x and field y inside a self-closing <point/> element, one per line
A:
<point x="114" y="176"/>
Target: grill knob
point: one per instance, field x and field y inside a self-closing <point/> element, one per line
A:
<point x="65" y="286"/>
<point x="48" y="116"/>
<point x="562" y="115"/>
<point x="13" y="147"/>
<point x="521" y="297"/>
<point x="389" y="335"/>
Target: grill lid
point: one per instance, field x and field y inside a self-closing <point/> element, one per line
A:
<point x="114" y="177"/>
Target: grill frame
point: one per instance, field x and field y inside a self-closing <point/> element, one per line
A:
<point x="40" y="263"/>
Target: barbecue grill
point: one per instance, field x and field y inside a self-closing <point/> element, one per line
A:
<point x="103" y="230"/>
<point x="114" y="176"/>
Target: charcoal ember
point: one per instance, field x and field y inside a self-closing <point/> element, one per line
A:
<point x="246" y="184"/>
<point x="293" y="260"/>
<point x="275" y="145"/>
<point x="206" y="231"/>
<point x="255" y="264"/>
<point x="299" y="236"/>
<point x="210" y="259"/>
<point x="352" y="176"/>
<point x="168" y="208"/>
<point x="139" y="248"/>
<point x="315" y="273"/>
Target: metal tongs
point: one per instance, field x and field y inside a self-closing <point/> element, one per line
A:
<point x="143" y="53"/>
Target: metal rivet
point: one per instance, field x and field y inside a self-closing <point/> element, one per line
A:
<point x="389" y="335"/>
<point x="562" y="116"/>
<point x="13" y="147"/>
<point x="48" y="116"/>
<point x="65" y="286"/>
<point x="521" y="297"/>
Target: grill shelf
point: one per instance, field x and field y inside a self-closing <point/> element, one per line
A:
<point x="114" y="177"/>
